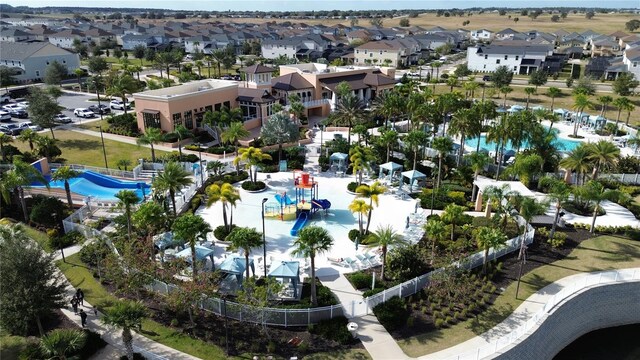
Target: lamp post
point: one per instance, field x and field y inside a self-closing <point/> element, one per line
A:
<point x="104" y="150"/>
<point x="264" y="242"/>
<point x="201" y="170"/>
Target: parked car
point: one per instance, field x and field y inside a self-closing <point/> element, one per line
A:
<point x="486" y="78"/>
<point x="11" y="129"/>
<point x="118" y="104"/>
<point x="62" y="119"/>
<point x="100" y="109"/>
<point x="24" y="104"/>
<point x="10" y="107"/>
<point x="5" y="116"/>
<point x="19" y="113"/>
<point x="30" y="125"/>
<point x="5" y="98"/>
<point x="83" y="113"/>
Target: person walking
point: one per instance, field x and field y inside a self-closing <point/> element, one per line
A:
<point x="95" y="310"/>
<point x="74" y="305"/>
<point x="83" y="318"/>
<point x="80" y="296"/>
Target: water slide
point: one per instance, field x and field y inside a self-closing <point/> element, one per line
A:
<point x="323" y="204"/>
<point x="300" y="223"/>
<point x="109" y="182"/>
<point x="284" y="201"/>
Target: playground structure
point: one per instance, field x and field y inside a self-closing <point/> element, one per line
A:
<point x="301" y="209"/>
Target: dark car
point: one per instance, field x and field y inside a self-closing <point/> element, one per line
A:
<point x="18" y="113"/>
<point x="11" y="129"/>
<point x="486" y="78"/>
<point x="100" y="109"/>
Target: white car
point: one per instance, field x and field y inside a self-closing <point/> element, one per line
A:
<point x="24" y="104"/>
<point x="119" y="105"/>
<point x="11" y="107"/>
<point x="5" y="115"/>
<point x="62" y="119"/>
<point x="30" y="125"/>
<point x="5" y="98"/>
<point x="83" y="113"/>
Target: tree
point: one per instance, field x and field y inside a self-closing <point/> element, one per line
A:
<point x="312" y="241"/>
<point x="596" y="193"/>
<point x="414" y="140"/>
<point x="584" y="86"/>
<point x="486" y="239"/>
<point x="371" y="192"/>
<point x="150" y="137"/>
<point x="553" y="93"/>
<point x="404" y="22"/>
<point x="624" y="84"/>
<point x="360" y="207"/>
<point x="32" y="286"/>
<point x="578" y="162"/>
<point x="60" y="343"/>
<point x="555" y="18"/>
<point x="453" y="215"/>
<point x="360" y="158"/>
<point x="234" y="133"/>
<point x="623" y="104"/>
<point x="126" y="315"/>
<point x="97" y="65"/>
<point x="499" y="197"/>
<point x="632" y="25"/>
<point x="580" y="103"/>
<point x="23" y="175"/>
<point x="604" y="155"/>
<point x="461" y="71"/>
<point x="385" y="237"/>
<point x="42" y="108"/>
<point x="226" y="194"/>
<point x="502" y="77"/>
<point x="436" y="231"/>
<point x="505" y="90"/>
<point x="478" y="161"/>
<point x="529" y="91"/>
<point x="466" y="123"/>
<point x="252" y="157"/>
<point x="181" y="133"/>
<point x="589" y="15"/>
<point x="604" y="101"/>
<point x="121" y="86"/>
<point x="376" y="22"/>
<point x="244" y="238"/>
<point x="138" y="52"/>
<point x="149" y="219"/>
<point x="6" y="139"/>
<point x="29" y="136"/>
<point x="558" y="193"/>
<point x="65" y="173"/>
<point x="526" y="167"/>
<point x="443" y="146"/>
<point x="529" y="207"/>
<point x="173" y="178"/>
<point x="388" y="139"/>
<point x="54" y="73"/>
<point x="79" y="73"/>
<point x="127" y="198"/>
<point x="279" y="129"/>
<point x="349" y="111"/>
<point x="190" y="228"/>
<point x="7" y="76"/>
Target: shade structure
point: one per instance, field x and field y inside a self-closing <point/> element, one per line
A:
<point x="236" y="265"/>
<point x="412" y="176"/>
<point x="201" y="253"/>
<point x="339" y="160"/>
<point x="287" y="270"/>
<point x="389" y="168"/>
<point x="165" y="240"/>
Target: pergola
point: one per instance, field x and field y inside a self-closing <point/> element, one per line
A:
<point x="339" y="160"/>
<point x="236" y="265"/>
<point x="165" y="240"/>
<point x="412" y="176"/>
<point x="390" y="168"/>
<point x="202" y="253"/>
<point x="288" y="270"/>
<point x="511" y="186"/>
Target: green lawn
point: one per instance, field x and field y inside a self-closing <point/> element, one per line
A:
<point x="87" y="150"/>
<point x="94" y="125"/>
<point x="601" y="253"/>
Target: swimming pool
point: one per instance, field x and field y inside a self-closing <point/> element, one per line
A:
<point x="562" y="144"/>
<point x="100" y="186"/>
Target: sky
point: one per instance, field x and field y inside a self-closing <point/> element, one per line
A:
<point x="306" y="5"/>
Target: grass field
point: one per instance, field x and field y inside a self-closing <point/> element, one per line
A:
<point x="600" y="253"/>
<point x="87" y="150"/>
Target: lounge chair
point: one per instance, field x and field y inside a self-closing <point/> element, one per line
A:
<point x="338" y="261"/>
<point x="352" y="263"/>
<point x="372" y="258"/>
<point x="363" y="260"/>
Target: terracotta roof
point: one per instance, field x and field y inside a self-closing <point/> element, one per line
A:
<point x="292" y="81"/>
<point x="257" y="69"/>
<point x="254" y="95"/>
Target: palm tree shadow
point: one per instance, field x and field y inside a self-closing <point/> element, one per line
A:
<point x="80" y="144"/>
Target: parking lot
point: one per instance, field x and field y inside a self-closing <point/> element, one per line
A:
<point x="69" y="101"/>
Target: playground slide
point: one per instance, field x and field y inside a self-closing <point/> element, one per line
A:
<point x="287" y="200"/>
<point x="323" y="204"/>
<point x="300" y="223"/>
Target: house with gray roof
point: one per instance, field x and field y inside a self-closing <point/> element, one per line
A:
<point x="30" y="60"/>
<point x="15" y="35"/>
<point x="520" y="58"/>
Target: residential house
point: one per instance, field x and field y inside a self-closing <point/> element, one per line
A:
<point x="507" y="33"/>
<point x="130" y="41"/>
<point x="521" y="59"/>
<point x="396" y="53"/>
<point x="99" y="36"/>
<point x="604" y="46"/>
<point x="631" y="58"/>
<point x="481" y="35"/>
<point x="31" y="59"/>
<point x="15" y="35"/>
<point x="65" y="38"/>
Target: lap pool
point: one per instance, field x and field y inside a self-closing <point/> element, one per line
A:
<point x="100" y="186"/>
<point x="562" y="144"/>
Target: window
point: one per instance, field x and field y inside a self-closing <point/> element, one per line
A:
<point x="497" y="61"/>
<point x="506" y="57"/>
<point x="515" y="68"/>
<point x="371" y="55"/>
<point x="47" y="63"/>
<point x="177" y="120"/>
<point x="218" y="107"/>
<point x="64" y="61"/>
<point x="188" y="119"/>
<point x="151" y="120"/>
<point x="208" y="108"/>
<point x="37" y="73"/>
<point x="635" y="64"/>
<point x="517" y="57"/>
<point x="227" y="104"/>
<point x="486" y="57"/>
<point x="484" y="66"/>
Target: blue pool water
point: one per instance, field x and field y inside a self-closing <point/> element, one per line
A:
<point x="100" y="186"/>
<point x="562" y="144"/>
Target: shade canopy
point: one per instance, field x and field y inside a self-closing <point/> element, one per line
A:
<point x="338" y="156"/>
<point x="165" y="240"/>
<point x="413" y="175"/>
<point x="287" y="270"/>
<point x="391" y="166"/>
<point x="510" y="186"/>
<point x="201" y="253"/>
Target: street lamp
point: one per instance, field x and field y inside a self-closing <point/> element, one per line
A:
<point x="264" y="242"/>
<point x="201" y="170"/>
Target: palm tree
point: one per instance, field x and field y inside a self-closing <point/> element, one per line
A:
<point x="191" y="228"/>
<point x="182" y="133"/>
<point x="311" y="241"/>
<point x="29" y="136"/>
<point x="60" y="343"/>
<point x="126" y="315"/>
<point x="604" y="100"/>
<point x="529" y="208"/>
<point x="388" y="139"/>
<point x="453" y="215"/>
<point x="623" y="104"/>
<point x="173" y="178"/>
<point x="603" y="155"/>
<point x="499" y="195"/>
<point x="279" y="129"/>
<point x="218" y="56"/>
<point x="470" y="88"/>
<point x="385" y="237"/>
<point x="349" y="111"/>
<point x="150" y="137"/>
<point x="452" y="81"/>
<point x="478" y="161"/>
<point x="436" y="65"/>
<point x="371" y="192"/>
<point x="149" y="219"/>
<point x="234" y="133"/>
<point x="121" y="86"/>
<point x="360" y="158"/>
<point x="244" y="238"/>
<point x="553" y="93"/>
<point x="360" y="207"/>
<point x="488" y="238"/>
<point x="559" y="192"/>
<point x="23" y="175"/>
<point x="580" y="103"/>
<point x="65" y="173"/>
<point x="443" y="146"/>
<point x="578" y="162"/>
<point x="436" y="230"/>
<point x="252" y="157"/>
<point x="199" y="64"/>
<point x="505" y="90"/>
<point x="465" y="123"/>
<point x="6" y="139"/>
<point x="127" y="198"/>
<point x="415" y="139"/>
<point x="596" y="193"/>
<point x="226" y="194"/>
<point x="79" y="72"/>
<point x="529" y="91"/>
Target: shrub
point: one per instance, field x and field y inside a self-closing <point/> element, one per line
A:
<point x="352" y="186"/>
<point x="92" y="345"/>
<point x="558" y="240"/>
<point x="324" y="162"/>
<point x="195" y="202"/>
<point x="271" y="347"/>
<point x="392" y="314"/>
<point x="66" y="240"/>
<point x="361" y="280"/>
<point x="47" y="211"/>
<point x="410" y="322"/>
<point x="406" y="263"/>
<point x="93" y="252"/>
<point x="450" y="320"/>
<point x="481" y="221"/>
<point x="221" y="232"/>
<point x="334" y="329"/>
<point x="251" y="186"/>
<point x="174" y="322"/>
<point x="219" y="150"/>
<point x="439" y="323"/>
<point x="230" y="178"/>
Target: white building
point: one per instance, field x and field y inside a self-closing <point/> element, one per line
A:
<point x="631" y="58"/>
<point x="30" y="60"/>
<point x="521" y="59"/>
<point x="481" y="35"/>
